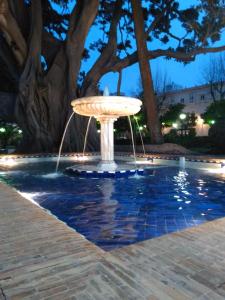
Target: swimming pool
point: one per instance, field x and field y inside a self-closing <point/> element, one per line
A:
<point x="114" y="212"/>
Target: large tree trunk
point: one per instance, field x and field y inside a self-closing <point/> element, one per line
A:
<point x="32" y="109"/>
<point x="146" y="76"/>
<point x="43" y="109"/>
<point x="43" y="103"/>
<point x="7" y="104"/>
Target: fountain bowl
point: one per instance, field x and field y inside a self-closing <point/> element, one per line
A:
<point x="106" y="106"/>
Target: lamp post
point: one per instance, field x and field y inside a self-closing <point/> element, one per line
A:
<point x="182" y="117"/>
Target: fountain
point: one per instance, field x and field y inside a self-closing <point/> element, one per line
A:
<point x="106" y="109"/>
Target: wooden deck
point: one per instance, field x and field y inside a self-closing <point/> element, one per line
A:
<point x="42" y="258"/>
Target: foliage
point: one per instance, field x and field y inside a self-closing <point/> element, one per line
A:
<point x="10" y="134"/>
<point x="189" y="140"/>
<point x="217" y="136"/>
<point x="172" y="114"/>
<point x="171" y="137"/>
<point x="214" y="75"/>
<point x="214" y="112"/>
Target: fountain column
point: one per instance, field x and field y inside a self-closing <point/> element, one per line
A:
<point x="107" y="143"/>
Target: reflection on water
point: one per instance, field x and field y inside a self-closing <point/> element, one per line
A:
<point x="51" y="175"/>
<point x="121" y="211"/>
<point x="110" y="206"/>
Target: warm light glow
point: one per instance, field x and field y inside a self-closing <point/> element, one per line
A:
<point x="200" y="121"/>
<point x="98" y="130"/>
<point x="182" y="116"/>
<point x="141" y="162"/>
<point x="145" y="126"/>
<point x="82" y="158"/>
<point x="7" y="161"/>
<point x="174" y="125"/>
<point x="218" y="170"/>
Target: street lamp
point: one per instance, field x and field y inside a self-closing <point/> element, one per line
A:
<point x="182" y="123"/>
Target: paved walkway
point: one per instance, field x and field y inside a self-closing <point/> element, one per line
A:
<point x="42" y="258"/>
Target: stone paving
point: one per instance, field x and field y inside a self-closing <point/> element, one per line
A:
<point x="42" y="258"/>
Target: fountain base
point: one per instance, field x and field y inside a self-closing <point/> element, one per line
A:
<point x="105" y="165"/>
<point x="103" y="170"/>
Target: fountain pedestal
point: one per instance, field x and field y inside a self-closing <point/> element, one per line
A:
<point x="107" y="144"/>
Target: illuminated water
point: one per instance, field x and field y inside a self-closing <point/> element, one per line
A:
<point x="116" y="212"/>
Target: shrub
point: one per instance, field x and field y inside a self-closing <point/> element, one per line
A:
<point x="217" y="136"/>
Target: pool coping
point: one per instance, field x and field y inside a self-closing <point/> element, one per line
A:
<point x="189" y="157"/>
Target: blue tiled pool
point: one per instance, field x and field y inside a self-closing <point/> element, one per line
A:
<point x="116" y="212"/>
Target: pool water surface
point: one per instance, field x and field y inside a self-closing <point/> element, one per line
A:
<point x="114" y="212"/>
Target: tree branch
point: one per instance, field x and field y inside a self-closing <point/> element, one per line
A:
<point x="20" y="12"/>
<point x="50" y="47"/>
<point x="12" y="33"/>
<point x="108" y="54"/>
<point x="7" y="102"/>
<point x="10" y="70"/>
<point x="185" y="57"/>
<point x="155" y="22"/>
<point x="81" y="20"/>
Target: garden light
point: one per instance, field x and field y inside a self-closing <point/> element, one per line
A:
<point x="174" y="125"/>
<point x="212" y="122"/>
<point x="7" y="161"/>
<point x="2" y="129"/>
<point x="182" y="116"/>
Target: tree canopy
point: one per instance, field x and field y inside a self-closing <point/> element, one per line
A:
<point x="213" y="74"/>
<point x="215" y="112"/>
<point x="54" y="51"/>
<point x="172" y="114"/>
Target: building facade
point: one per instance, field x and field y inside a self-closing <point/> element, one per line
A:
<point x="196" y="100"/>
